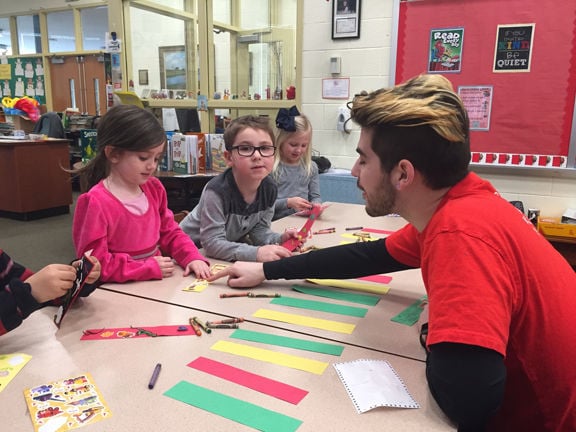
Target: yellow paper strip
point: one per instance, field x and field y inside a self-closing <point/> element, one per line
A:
<point x="353" y="285"/>
<point x="282" y="359"/>
<point x="198" y="285"/>
<point x="306" y="321"/>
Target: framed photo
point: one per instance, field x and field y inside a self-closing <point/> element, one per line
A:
<point x="346" y="19"/>
<point x="143" y="76"/>
<point x="173" y="67"/>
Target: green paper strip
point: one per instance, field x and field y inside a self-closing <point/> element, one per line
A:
<point x="321" y="306"/>
<point x="231" y="408"/>
<point x="411" y="314"/>
<point x="364" y="299"/>
<point x="321" y="347"/>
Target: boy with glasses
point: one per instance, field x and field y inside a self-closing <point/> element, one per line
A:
<point x="232" y="220"/>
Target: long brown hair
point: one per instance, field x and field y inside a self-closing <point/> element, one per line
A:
<point x="125" y="128"/>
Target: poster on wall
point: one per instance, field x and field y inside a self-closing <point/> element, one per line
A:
<point x="478" y="103"/>
<point x="445" y="50"/>
<point x="513" y="47"/>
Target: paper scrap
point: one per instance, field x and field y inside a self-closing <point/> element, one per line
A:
<point x="364" y="299"/>
<point x="231" y="408"/>
<point x="10" y="365"/>
<point x="352" y="284"/>
<point x="290" y="342"/>
<point x="288" y="360"/>
<point x="321" y="306"/>
<point x="305" y="321"/>
<point x="374" y="383"/>
<point x="411" y="314"/>
<point x="251" y="380"/>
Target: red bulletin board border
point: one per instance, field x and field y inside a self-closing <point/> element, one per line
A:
<point x="532" y="111"/>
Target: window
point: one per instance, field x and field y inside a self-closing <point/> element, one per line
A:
<point x="61" y="37"/>
<point x="94" y="27"/>
<point x="28" y="31"/>
<point x="5" y="41"/>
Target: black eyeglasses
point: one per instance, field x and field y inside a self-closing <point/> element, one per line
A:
<point x="248" y="150"/>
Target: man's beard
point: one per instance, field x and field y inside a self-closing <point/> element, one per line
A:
<point x="383" y="203"/>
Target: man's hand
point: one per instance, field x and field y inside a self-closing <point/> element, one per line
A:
<point x="242" y="274"/>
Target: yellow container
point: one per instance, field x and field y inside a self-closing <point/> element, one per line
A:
<point x="553" y="227"/>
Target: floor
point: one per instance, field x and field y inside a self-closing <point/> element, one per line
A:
<point x="37" y="243"/>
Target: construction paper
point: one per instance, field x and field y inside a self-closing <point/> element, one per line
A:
<point x="374" y="383"/>
<point x="231" y="408"/>
<point x="10" y="365"/>
<point x="321" y="306"/>
<point x="352" y="284"/>
<point x="377" y="231"/>
<point x="305" y="321"/>
<point x="288" y="360"/>
<point x="364" y="299"/>
<point x="379" y="278"/>
<point x="411" y="314"/>
<point x="67" y="404"/>
<point x="253" y="381"/>
<point x="292" y="243"/>
<point x="289" y="342"/>
<point x="200" y="285"/>
<point x="132" y="332"/>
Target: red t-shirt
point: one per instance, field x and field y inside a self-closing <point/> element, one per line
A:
<point x="493" y="281"/>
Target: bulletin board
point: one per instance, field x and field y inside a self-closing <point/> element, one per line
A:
<point x="515" y="64"/>
<point x="22" y="76"/>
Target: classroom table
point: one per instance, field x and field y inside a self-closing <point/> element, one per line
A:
<point x="121" y="370"/>
<point x="375" y="331"/>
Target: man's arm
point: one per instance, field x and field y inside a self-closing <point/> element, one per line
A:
<point x="337" y="262"/>
<point x="467" y="382"/>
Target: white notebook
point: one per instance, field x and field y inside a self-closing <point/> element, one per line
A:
<point x="374" y="383"/>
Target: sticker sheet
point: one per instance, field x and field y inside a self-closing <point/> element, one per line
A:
<point x="67" y="404"/>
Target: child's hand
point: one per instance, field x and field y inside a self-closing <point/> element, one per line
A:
<point x="272" y="253"/>
<point x="292" y="233"/>
<point x="51" y="282"/>
<point x="199" y="268"/>
<point x="166" y="265"/>
<point x="94" y="274"/>
<point x="298" y="204"/>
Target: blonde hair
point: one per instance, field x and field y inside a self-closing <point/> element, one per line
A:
<point x="421" y="120"/>
<point x="302" y="125"/>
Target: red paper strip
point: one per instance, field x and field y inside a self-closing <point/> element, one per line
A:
<point x="131" y="333"/>
<point x="259" y="383"/>
<point x="292" y="243"/>
<point x="376" y="231"/>
<point x="383" y="279"/>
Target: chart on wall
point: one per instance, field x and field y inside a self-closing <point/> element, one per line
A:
<point x="22" y="77"/>
<point x="513" y="63"/>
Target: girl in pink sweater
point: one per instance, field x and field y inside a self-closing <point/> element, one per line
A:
<point x="124" y="217"/>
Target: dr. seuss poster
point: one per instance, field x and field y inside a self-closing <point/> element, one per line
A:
<point x="513" y="48"/>
<point x="446" y="50"/>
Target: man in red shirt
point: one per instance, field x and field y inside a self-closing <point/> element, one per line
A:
<point x="502" y="300"/>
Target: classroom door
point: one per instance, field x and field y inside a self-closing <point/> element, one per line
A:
<point x="80" y="82"/>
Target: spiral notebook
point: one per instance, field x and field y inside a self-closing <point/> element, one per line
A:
<point x="372" y="384"/>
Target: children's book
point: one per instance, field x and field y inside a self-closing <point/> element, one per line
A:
<point x="88" y="145"/>
<point x="180" y="154"/>
<point x="82" y="272"/>
<point x="216" y="150"/>
<point x="67" y="404"/>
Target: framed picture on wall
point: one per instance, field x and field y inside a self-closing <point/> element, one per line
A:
<point x="172" y="67"/>
<point x="346" y="19"/>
